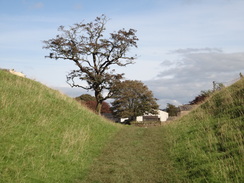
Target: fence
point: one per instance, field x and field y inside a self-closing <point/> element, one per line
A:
<point x="226" y="83"/>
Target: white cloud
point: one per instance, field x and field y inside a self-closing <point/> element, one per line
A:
<point x="78" y="6"/>
<point x="201" y="28"/>
<point x="194" y="71"/>
<point x="72" y="92"/>
<point x="190" y="2"/>
<point x="37" y="5"/>
<point x="195" y="50"/>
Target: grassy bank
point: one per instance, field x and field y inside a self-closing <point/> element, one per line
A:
<point x="48" y="137"/>
<point x="208" y="144"/>
<point x="203" y="146"/>
<point x="44" y="135"/>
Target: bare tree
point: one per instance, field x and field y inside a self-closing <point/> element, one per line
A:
<point x="85" y="45"/>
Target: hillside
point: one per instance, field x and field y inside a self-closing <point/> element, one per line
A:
<point x="46" y="136"/>
<point x="204" y="146"/>
<point x="208" y="144"/>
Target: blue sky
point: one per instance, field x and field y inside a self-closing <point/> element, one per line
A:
<point x="183" y="45"/>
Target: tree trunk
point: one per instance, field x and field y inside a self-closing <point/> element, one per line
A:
<point x="98" y="108"/>
<point x="99" y="101"/>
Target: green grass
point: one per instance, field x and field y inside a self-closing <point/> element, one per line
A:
<point x="135" y="155"/>
<point x="204" y="146"/>
<point x="208" y="144"/>
<point x="46" y="136"/>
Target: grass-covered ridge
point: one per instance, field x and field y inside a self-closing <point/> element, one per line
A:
<point x="208" y="144"/>
<point x="46" y="136"/>
<point x="204" y="146"/>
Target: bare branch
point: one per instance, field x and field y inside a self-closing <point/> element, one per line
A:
<point x="85" y="45"/>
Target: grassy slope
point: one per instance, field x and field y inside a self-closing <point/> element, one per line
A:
<point x="44" y="135"/>
<point x="208" y="144"/>
<point x="204" y="146"/>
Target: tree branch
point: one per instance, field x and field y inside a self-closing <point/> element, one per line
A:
<point x="84" y="45"/>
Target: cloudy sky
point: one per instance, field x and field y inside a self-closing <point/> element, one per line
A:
<point x="184" y="45"/>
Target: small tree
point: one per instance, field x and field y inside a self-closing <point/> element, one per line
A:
<point x="85" y="45"/>
<point x="172" y="110"/>
<point x="85" y="97"/>
<point x="133" y="98"/>
<point x="202" y="97"/>
<point x="91" y="103"/>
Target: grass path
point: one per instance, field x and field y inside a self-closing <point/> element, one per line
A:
<point x="134" y="155"/>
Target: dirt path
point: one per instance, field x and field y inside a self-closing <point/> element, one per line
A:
<point x="135" y="155"/>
